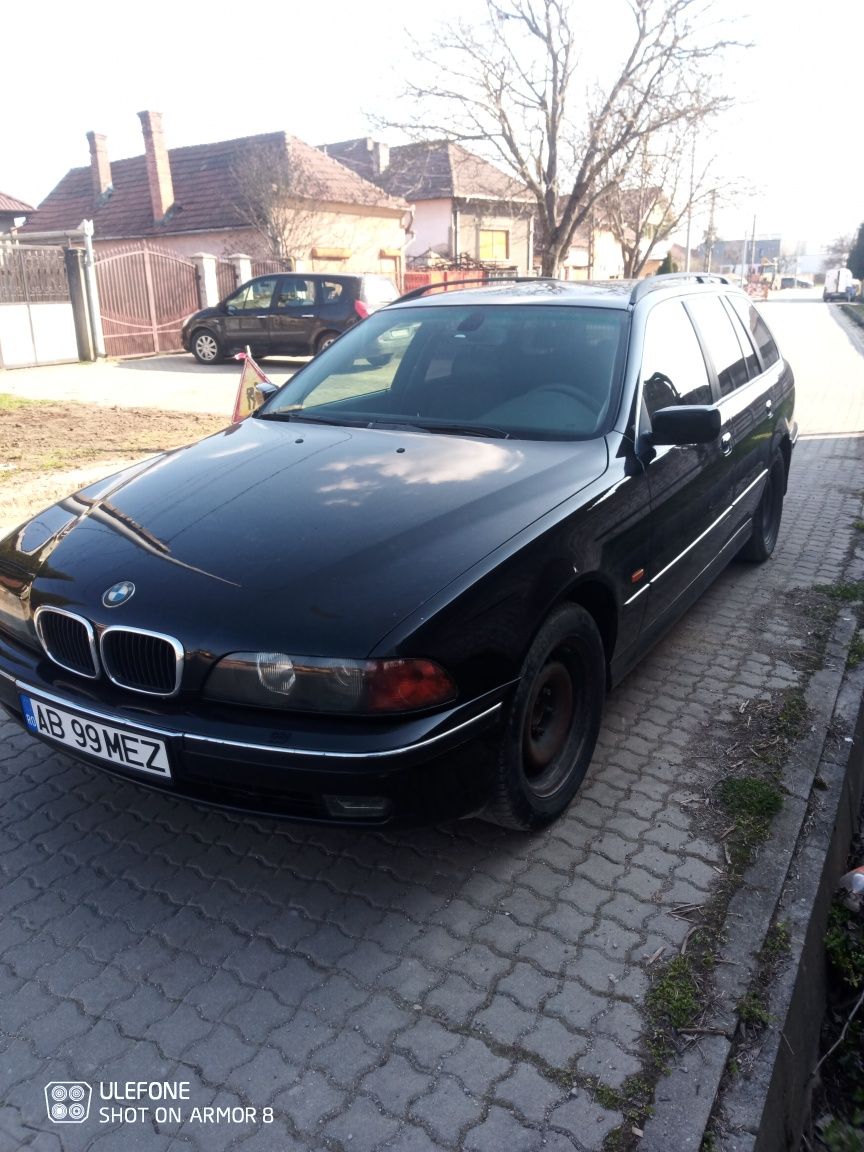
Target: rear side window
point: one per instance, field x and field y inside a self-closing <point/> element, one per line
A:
<point x="331" y="291"/>
<point x="758" y="330"/>
<point x="295" y="292"/>
<point x="721" y="343"/>
<point x="673" y="367"/>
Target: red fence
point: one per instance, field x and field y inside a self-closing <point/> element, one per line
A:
<point x="145" y="293"/>
<point x="420" y="278"/>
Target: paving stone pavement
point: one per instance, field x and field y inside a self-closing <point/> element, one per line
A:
<point x="448" y="988"/>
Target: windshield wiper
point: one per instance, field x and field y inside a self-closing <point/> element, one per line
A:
<point x="467" y="430"/>
<point x="308" y="418"/>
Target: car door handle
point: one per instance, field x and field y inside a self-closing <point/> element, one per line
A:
<point x="307" y="315"/>
<point x="726" y="443"/>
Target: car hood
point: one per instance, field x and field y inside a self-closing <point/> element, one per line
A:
<point x="311" y="538"/>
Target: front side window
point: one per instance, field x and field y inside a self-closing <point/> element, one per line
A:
<point x="253" y="297"/>
<point x="722" y="345"/>
<point x="533" y="371"/>
<point x="673" y="367"/>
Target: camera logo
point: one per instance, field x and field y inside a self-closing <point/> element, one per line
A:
<point x="67" y="1101"/>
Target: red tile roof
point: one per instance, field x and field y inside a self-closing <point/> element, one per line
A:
<point x="10" y="204"/>
<point x="204" y="178"/>
<point x="431" y="170"/>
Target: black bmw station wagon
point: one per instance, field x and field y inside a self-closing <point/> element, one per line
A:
<point x="402" y="588"/>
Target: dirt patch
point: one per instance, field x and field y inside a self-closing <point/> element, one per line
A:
<point x="49" y="449"/>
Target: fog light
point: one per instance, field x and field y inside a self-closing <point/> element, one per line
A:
<point x="357" y="807"/>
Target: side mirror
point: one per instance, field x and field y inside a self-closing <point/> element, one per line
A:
<point x="685" y="424"/>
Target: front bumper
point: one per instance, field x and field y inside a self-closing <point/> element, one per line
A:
<point x="425" y="767"/>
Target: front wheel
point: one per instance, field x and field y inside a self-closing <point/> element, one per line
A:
<point x="766" y="520"/>
<point x="324" y="341"/>
<point x="205" y="347"/>
<point x="553" y="723"/>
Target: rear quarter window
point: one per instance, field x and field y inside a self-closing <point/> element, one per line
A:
<point x="720" y="341"/>
<point x="758" y="330"/>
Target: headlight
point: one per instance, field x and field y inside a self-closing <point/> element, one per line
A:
<point x="311" y="684"/>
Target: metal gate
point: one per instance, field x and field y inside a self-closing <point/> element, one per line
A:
<point x="37" y="325"/>
<point x="145" y="293"/>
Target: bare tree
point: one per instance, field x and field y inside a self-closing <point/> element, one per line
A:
<point x="275" y="193"/>
<point x="647" y="199"/>
<point x="510" y="84"/>
<point x="837" y="252"/>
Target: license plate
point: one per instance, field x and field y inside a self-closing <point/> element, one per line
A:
<point x="113" y="745"/>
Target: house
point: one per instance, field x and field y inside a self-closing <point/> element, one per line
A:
<point x="464" y="207"/>
<point x="12" y="210"/>
<point x="267" y="195"/>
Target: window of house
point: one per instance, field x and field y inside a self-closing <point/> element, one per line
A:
<point x="673" y="367"/>
<point x="715" y="328"/>
<point x="494" y="244"/>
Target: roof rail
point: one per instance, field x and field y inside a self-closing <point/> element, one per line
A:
<point x="416" y="293"/>
<point x="654" y="283"/>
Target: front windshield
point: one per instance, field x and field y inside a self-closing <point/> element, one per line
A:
<point x="514" y="370"/>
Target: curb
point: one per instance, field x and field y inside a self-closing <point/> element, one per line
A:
<point x="792" y="879"/>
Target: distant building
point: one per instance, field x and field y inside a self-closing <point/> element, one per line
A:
<point x="464" y="207"/>
<point x="12" y="212"/>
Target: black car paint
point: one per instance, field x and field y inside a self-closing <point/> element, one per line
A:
<point x="461" y="570"/>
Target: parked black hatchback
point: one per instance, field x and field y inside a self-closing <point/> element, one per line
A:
<point x="402" y="587"/>
<point x="290" y="314"/>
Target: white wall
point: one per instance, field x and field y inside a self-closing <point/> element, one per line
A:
<point x="433" y="221"/>
<point x="36" y="334"/>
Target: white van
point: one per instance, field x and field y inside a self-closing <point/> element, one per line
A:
<point x="837" y="280"/>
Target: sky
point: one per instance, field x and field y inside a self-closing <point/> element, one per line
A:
<point x="323" y="74"/>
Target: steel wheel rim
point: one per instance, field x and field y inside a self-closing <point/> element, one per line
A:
<point x="549" y="716"/>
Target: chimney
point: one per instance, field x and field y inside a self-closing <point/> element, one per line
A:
<point x="100" y="169"/>
<point x="380" y="157"/>
<point x="158" y="165"/>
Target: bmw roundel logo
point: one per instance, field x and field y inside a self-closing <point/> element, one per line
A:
<point x="118" y="594"/>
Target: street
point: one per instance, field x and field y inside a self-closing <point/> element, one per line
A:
<point x="456" y="987"/>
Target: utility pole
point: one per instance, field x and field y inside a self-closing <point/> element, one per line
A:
<point x="690" y="203"/>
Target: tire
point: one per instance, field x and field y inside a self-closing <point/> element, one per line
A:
<point x="324" y="341"/>
<point x="553" y="723"/>
<point x="766" y="520"/>
<point x="205" y="347"/>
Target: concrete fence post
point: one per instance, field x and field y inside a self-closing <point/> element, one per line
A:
<point x="75" y="275"/>
<point x="208" y="285"/>
<point x="242" y="266"/>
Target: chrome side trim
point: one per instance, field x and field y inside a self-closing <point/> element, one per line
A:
<point x="636" y="595"/>
<point x="179" y="656"/>
<point x="350" y="755"/>
<point x="710" y="527"/>
<point x="113" y="718"/>
<point x="91" y="640"/>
